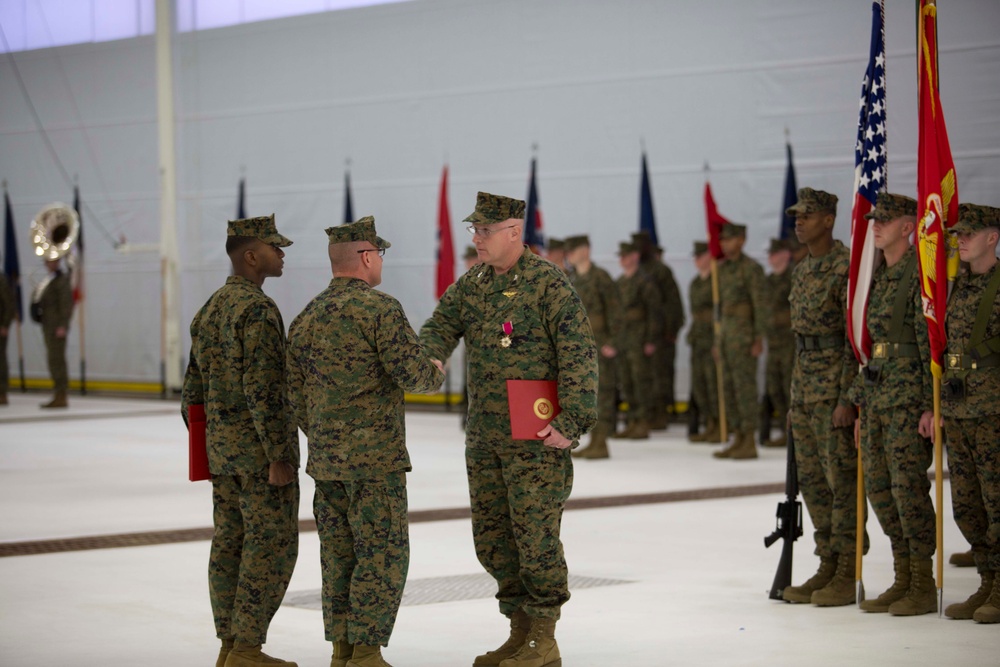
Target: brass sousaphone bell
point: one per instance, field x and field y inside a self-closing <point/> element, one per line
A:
<point x="54" y="231"/>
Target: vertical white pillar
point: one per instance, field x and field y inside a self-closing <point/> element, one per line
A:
<point x="170" y="326"/>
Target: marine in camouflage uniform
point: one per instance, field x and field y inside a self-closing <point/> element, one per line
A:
<point x="599" y="295"/>
<point x="971" y="406"/>
<point x="780" y="339"/>
<point x="741" y="296"/>
<point x="237" y="370"/>
<point x="640" y="335"/>
<point x="8" y="308"/>
<point x="555" y="252"/>
<point x="822" y="414"/>
<point x="664" y="358"/>
<point x="521" y="319"/>
<point x="701" y="339"/>
<point x="351" y="355"/>
<point x="52" y="307"/>
<point x="896" y="396"/>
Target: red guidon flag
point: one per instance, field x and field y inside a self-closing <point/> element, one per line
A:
<point x="937" y="190"/>
<point x="714" y="221"/>
<point x="446" y="249"/>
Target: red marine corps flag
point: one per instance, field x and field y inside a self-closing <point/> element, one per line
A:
<point x="714" y="223"/>
<point x="937" y="190"/>
<point x="869" y="180"/>
<point x="445" y="249"/>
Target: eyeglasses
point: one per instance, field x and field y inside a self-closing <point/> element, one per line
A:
<point x="484" y="231"/>
<point x="380" y="251"/>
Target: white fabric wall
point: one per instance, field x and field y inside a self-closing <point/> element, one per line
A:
<point x="400" y="89"/>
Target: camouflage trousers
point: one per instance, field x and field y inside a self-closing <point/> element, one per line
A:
<point x="635" y="373"/>
<point x="828" y="477"/>
<point x="704" y="381"/>
<point x="974" y="468"/>
<point x="364" y="545"/>
<point x="663" y="376"/>
<point x="739" y="376"/>
<point x="55" y="350"/>
<point x="895" y="459"/>
<point x="254" y="549"/>
<point x="4" y="369"/>
<point x="778" y="374"/>
<point x="518" y="491"/>
<point x="607" y="408"/>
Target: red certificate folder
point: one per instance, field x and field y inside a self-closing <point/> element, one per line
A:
<point x="197" y="451"/>
<point x="532" y="404"/>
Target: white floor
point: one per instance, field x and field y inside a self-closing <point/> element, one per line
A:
<point x="697" y="571"/>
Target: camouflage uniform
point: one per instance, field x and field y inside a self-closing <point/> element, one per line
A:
<point x="642" y="323"/>
<point x="741" y="295"/>
<point x="701" y="336"/>
<point x="351" y="355"/>
<point x="56" y="305"/>
<point x="821" y="380"/>
<point x="895" y="394"/>
<point x="237" y="370"/>
<point x="780" y="340"/>
<point x="599" y="295"/>
<point x="8" y="308"/>
<point x="672" y="309"/>
<point x="972" y="423"/>
<point x="518" y="488"/>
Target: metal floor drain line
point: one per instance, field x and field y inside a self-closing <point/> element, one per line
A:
<point x="433" y="590"/>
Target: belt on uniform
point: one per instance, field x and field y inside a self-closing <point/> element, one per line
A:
<point x="887" y="350"/>
<point x="818" y="342"/>
<point x="967" y="362"/>
<point x="738" y="310"/>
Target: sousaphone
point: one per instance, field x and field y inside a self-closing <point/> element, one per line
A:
<point x="53" y="232"/>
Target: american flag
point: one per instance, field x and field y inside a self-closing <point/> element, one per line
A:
<point x="869" y="181"/>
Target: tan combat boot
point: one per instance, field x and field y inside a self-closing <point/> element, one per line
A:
<point x="964" y="611"/>
<point x="227" y="646"/>
<point x="249" y="656"/>
<point x="745" y="448"/>
<point x="598" y="447"/>
<point x="780" y="441"/>
<point x="640" y="430"/>
<point x="728" y="449"/>
<point x="625" y="432"/>
<point x="3" y="398"/>
<point x="897" y="591"/>
<point x="520" y="623"/>
<point x="990" y="611"/>
<point x="539" y="648"/>
<point x="842" y="588"/>
<point x="710" y="425"/>
<point x="962" y="559"/>
<point x="921" y="598"/>
<point x="342" y="652"/>
<point x="803" y="593"/>
<point x="367" y="656"/>
<point x="58" y="401"/>
<point x="660" y="421"/>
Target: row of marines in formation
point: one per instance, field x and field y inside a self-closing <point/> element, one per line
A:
<point x="340" y="377"/>
<point x="813" y="377"/>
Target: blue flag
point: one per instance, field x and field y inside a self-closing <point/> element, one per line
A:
<point x="241" y="200"/>
<point x="647" y="219"/>
<point x="787" y="230"/>
<point x="533" y="236"/>
<point x="11" y="266"/>
<point x="348" y="207"/>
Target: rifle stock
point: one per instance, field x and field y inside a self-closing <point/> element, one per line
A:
<point x="789" y="524"/>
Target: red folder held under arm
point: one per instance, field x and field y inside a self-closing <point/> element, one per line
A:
<point x="532" y="404"/>
<point x="197" y="448"/>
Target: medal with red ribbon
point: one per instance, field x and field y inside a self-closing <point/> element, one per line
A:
<point x="508" y="329"/>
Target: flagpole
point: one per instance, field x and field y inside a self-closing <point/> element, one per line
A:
<point x="859" y="534"/>
<point x="939" y="494"/>
<point x="717" y="331"/>
<point x="20" y="355"/>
